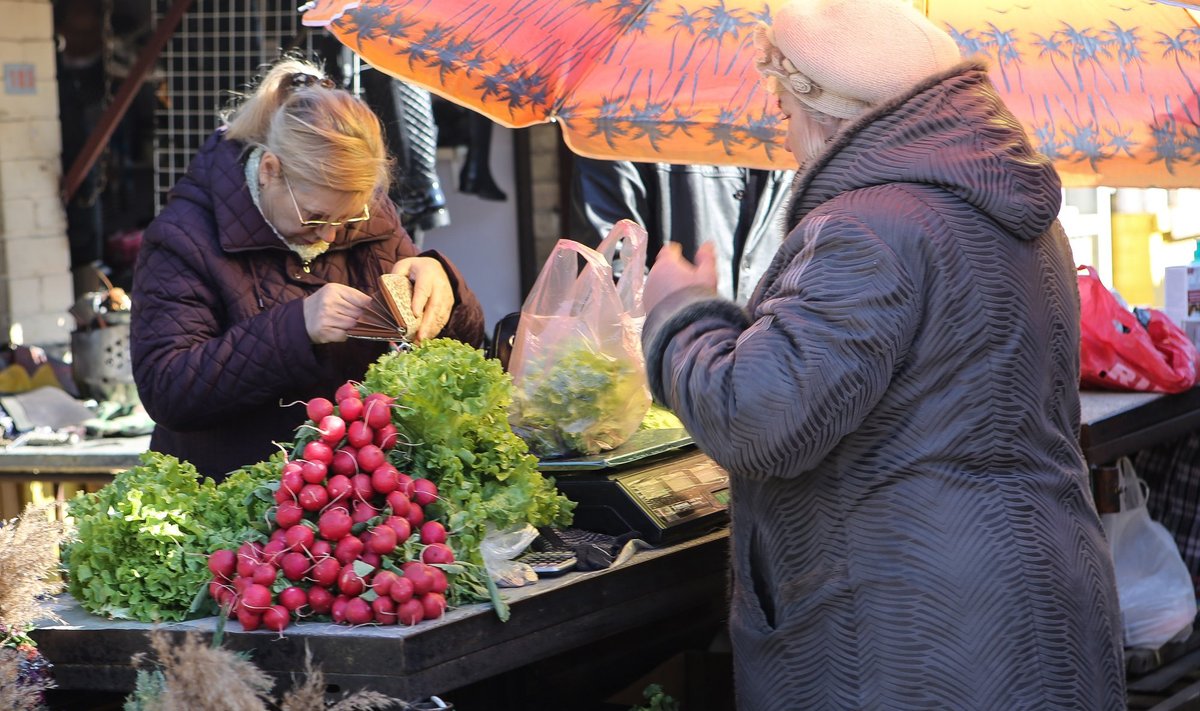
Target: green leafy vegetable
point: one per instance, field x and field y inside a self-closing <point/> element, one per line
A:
<point x="579" y="401"/>
<point x="454" y="413"/>
<point x="141" y="542"/>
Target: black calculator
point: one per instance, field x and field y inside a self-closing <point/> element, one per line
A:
<point x="549" y="554"/>
<point x="549" y="562"/>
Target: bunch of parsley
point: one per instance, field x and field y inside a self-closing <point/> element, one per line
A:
<point x="453" y="410"/>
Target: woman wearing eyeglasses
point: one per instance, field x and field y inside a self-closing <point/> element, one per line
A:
<point x="266" y="254"/>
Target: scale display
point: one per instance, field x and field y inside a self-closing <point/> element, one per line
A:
<point x="672" y="499"/>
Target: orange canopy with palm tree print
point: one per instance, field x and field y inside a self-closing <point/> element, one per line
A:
<point x="1106" y="88"/>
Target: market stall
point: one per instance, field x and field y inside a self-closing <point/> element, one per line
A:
<point x="659" y="602"/>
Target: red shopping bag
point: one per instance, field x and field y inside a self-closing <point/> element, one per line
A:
<point x="1117" y="351"/>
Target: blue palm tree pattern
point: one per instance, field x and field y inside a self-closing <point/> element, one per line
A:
<point x="1106" y="89"/>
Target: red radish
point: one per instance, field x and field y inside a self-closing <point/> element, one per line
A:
<point x="398" y="502"/>
<point x="288" y="514"/>
<point x="299" y="538"/>
<point x="326" y="571"/>
<point x="363" y="512"/>
<point x="383" y="540"/>
<point x="334" y="524"/>
<point x="401" y="589"/>
<point x="273" y="550"/>
<point x="246" y="565"/>
<point x="320" y="548"/>
<point x="333" y="428"/>
<point x="415" y="516"/>
<point x="376" y="411"/>
<point x="433" y="532"/>
<point x="314" y="472"/>
<point x="386" y="437"/>
<point x="348" y="389"/>
<point x="295" y="566"/>
<point x="340" y="506"/>
<point x="350" y="582"/>
<point x="381" y="583"/>
<point x="250" y="551"/>
<point x="319" y="408"/>
<point x="358" y="612"/>
<point x="418" y="573"/>
<point x="371" y="458"/>
<point x="240" y="584"/>
<point x="385" y="479"/>
<point x="282" y="495"/>
<point x="350" y="408"/>
<point x="293" y="598"/>
<point x="313" y="497"/>
<point x="219" y="593"/>
<point x="411" y="611"/>
<point x="347" y="550"/>
<point x="359" y="434"/>
<point x="437" y="553"/>
<point x="406" y="485"/>
<point x="385" y="610"/>
<point x="338" y="608"/>
<point x="362" y="486"/>
<point x="425" y="492"/>
<point x="265" y="574"/>
<point x="434" y="605"/>
<point x="345" y="461"/>
<point x="371" y="558"/>
<point x="339" y="487"/>
<point x="291" y="480"/>
<point x="318" y="451"/>
<point x="222" y="563"/>
<point x="439" y="580"/>
<point x="320" y="600"/>
<point x="256" y="597"/>
<point x="401" y="526"/>
<point x="276" y="618"/>
<point x="250" y="620"/>
<point x="278" y="534"/>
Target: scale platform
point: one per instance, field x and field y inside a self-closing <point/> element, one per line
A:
<point x="656" y="484"/>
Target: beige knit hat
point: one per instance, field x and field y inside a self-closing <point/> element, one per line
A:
<point x="841" y="57"/>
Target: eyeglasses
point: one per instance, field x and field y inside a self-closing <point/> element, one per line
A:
<point x="366" y="213"/>
<point x="300" y="79"/>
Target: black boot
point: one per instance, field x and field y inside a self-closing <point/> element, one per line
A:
<point x="406" y="112"/>
<point x="476" y="176"/>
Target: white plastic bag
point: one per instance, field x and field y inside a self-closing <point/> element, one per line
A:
<point x="1153" y="583"/>
<point x="500" y="547"/>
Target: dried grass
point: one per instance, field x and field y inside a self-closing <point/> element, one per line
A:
<point x="14" y="694"/>
<point x="202" y="678"/>
<point x="199" y="677"/>
<point x="28" y="565"/>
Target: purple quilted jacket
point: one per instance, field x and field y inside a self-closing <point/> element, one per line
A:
<point x="220" y="351"/>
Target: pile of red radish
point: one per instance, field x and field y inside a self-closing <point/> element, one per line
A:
<point x="344" y="514"/>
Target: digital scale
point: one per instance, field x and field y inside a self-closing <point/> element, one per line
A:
<point x="656" y="483"/>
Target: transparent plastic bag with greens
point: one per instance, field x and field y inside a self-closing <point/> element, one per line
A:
<point x="577" y="356"/>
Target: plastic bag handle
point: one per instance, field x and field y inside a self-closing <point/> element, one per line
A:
<point x="633" y="242"/>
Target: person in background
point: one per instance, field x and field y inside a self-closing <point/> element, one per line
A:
<point x="736" y="209"/>
<point x="897" y="405"/>
<point x="267" y="252"/>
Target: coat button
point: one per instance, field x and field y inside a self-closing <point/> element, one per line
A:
<point x="739" y="195"/>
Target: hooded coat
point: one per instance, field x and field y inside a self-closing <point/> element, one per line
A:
<point x="898" y="410"/>
<point x="219" y="346"/>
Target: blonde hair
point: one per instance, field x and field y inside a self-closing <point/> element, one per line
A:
<point x="323" y="136"/>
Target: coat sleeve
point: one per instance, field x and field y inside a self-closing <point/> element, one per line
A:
<point x="770" y="393"/>
<point x="604" y="193"/>
<point x="190" y="369"/>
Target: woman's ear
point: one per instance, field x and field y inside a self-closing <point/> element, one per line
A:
<point x="269" y="167"/>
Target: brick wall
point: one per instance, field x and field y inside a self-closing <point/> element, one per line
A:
<point x="35" y="277"/>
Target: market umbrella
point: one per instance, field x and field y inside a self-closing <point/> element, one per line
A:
<point x="1108" y="89"/>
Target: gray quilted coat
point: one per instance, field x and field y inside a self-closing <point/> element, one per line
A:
<point x="219" y="342"/>
<point x="898" y="409"/>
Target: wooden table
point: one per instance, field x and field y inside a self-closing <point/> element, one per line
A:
<point x="567" y="634"/>
<point x="63" y="468"/>
<point x="1116" y="424"/>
